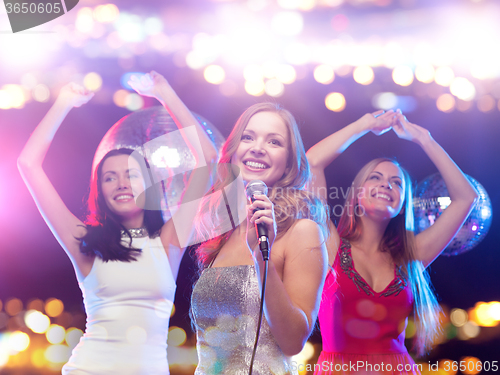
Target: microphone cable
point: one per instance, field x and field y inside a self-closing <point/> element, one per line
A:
<point x="261" y="310"/>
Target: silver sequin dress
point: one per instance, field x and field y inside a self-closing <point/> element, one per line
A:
<point x="225" y="308"/>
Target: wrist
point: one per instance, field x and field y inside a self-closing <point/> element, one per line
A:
<point x="63" y="103"/>
<point x="360" y="127"/>
<point x="425" y="140"/>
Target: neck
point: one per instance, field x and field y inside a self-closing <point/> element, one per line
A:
<point x="136" y="221"/>
<point x="371" y="234"/>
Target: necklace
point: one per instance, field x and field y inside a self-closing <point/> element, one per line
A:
<point x="135" y="232"/>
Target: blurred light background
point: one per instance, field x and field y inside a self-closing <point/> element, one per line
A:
<point x="328" y="61"/>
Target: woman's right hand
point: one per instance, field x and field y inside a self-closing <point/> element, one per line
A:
<point x="148" y="84"/>
<point x="74" y="95"/>
<point x="378" y="122"/>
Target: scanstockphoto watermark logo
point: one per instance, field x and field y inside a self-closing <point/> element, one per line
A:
<point x="27" y="14"/>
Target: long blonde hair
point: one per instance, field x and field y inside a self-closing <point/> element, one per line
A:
<point x="399" y="241"/>
<point x="291" y="202"/>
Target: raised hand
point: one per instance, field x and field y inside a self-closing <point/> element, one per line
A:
<point x="148" y="84"/>
<point x="265" y="215"/>
<point x="378" y="122"/>
<point x="409" y="131"/>
<point x="74" y="95"/>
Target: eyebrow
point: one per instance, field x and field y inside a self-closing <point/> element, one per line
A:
<point x="391" y="177"/>
<point x="126" y="171"/>
<point x="269" y="135"/>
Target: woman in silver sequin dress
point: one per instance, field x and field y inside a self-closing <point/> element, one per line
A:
<point x="125" y="258"/>
<point x="265" y="144"/>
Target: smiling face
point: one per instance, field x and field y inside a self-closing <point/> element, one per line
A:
<point x="382" y="194"/>
<point x="262" y="152"/>
<point x="122" y="186"/>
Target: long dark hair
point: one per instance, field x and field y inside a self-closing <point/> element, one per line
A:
<point x="103" y="238"/>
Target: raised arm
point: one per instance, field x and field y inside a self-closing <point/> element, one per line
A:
<point x="328" y="149"/>
<point x="432" y="241"/>
<point x="178" y="231"/>
<point x="66" y="227"/>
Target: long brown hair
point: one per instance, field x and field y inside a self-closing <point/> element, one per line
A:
<point x="399" y="241"/>
<point x="290" y="200"/>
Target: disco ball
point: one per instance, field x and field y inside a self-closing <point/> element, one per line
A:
<point x="432" y="198"/>
<point x="153" y="133"/>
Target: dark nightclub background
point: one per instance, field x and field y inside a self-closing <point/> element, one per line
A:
<point x="266" y="50"/>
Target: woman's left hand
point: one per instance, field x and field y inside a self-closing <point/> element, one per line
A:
<point x="409" y="131"/>
<point x="264" y="214"/>
<point x="148" y="84"/>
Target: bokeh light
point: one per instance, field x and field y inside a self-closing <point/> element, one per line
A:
<point x="288" y="23"/>
<point x="363" y="75"/>
<point x="335" y="102"/>
<point x="445" y="103"/>
<point x="274" y="88"/>
<point x="120" y="97"/>
<point x="425" y="73"/>
<point x="286" y="74"/>
<point x="106" y="13"/>
<point x="385" y="100"/>
<point x="214" y="74"/>
<point x="402" y="75"/>
<point x="469" y="330"/>
<point x="36" y="321"/>
<point x="486" y="103"/>
<point x="57" y="353"/>
<point x="253" y="73"/>
<point x="458" y="317"/>
<point x="176" y="336"/>
<point x="134" y="102"/>
<point x="92" y="81"/>
<point x="130" y="27"/>
<point x="153" y="25"/>
<point x="55" y="334"/>
<point x="12" y="96"/>
<point x="444" y="76"/>
<point x="462" y="88"/>
<point x="255" y="88"/>
<point x="18" y="341"/>
<point x="41" y="93"/>
<point x="73" y="336"/>
<point x="324" y="74"/>
<point x="84" y="20"/>
<point x="13" y="306"/>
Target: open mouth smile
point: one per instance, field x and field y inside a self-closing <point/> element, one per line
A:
<point x="255" y="164"/>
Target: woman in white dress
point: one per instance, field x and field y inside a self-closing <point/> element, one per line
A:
<point x="125" y="258"/>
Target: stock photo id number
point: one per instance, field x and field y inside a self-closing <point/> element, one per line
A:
<point x="24" y="15"/>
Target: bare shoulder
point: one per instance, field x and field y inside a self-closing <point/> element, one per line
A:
<point x="304" y="235"/>
<point x="305" y="228"/>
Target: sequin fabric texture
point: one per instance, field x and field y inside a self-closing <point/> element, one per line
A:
<point x="225" y="308"/>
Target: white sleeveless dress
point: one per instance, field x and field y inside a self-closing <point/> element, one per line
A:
<point x="128" y="306"/>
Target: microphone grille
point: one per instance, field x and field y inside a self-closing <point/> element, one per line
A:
<point x="256" y="187"/>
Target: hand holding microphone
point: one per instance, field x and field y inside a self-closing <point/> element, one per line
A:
<point x="262" y="214"/>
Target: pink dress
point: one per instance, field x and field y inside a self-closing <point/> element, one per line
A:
<point x="363" y="331"/>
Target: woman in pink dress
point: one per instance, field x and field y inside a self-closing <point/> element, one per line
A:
<point x="378" y="277"/>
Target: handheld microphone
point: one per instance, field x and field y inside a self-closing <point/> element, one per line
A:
<point x="259" y="187"/>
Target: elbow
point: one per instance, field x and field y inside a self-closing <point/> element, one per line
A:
<point x="212" y="156"/>
<point x="22" y="164"/>
<point x="472" y="198"/>
<point x="292" y="349"/>
<point x="295" y="342"/>
<point x="312" y="159"/>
